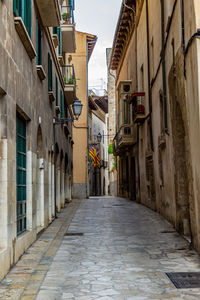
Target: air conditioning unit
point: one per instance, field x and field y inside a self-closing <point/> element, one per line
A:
<point x="125" y="87"/>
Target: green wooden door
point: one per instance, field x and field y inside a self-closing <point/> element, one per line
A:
<point x="21" y="174"/>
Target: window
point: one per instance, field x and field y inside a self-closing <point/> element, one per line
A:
<point x="126" y="112"/>
<point x="21" y="173"/>
<point x="60" y="41"/>
<point x="55" y="30"/>
<point x="62" y="108"/>
<point x="39" y="43"/>
<point x="22" y="8"/>
<point x="49" y="73"/>
<point x="56" y="89"/>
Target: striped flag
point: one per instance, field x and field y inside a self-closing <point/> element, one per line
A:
<point x="94" y="154"/>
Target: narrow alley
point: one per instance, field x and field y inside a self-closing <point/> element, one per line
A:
<point x="103" y="248"/>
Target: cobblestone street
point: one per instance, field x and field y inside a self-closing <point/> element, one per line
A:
<point x="117" y="249"/>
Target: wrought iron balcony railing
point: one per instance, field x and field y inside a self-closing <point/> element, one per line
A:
<point x="125" y="137"/>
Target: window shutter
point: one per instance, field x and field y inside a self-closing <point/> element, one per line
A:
<point x="39" y="43"/>
<point x="55" y="30"/>
<point x="49" y="73"/>
<point x="16" y="7"/>
<point x="60" y="41"/>
<point x="29" y="21"/>
<point x="56" y="89"/>
<point x="62" y="105"/>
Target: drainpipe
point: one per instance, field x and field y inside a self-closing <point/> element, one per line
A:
<point x="163" y="65"/>
<point x="149" y="80"/>
<point x="183" y="33"/>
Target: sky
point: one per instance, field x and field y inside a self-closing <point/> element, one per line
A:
<point x="98" y="17"/>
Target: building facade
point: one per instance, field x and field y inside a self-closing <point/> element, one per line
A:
<point x="35" y="149"/>
<point x="98" y="119"/>
<point x="84" y="46"/>
<point x="112" y="166"/>
<point x="156" y="57"/>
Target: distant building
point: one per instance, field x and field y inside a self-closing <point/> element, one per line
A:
<point x="112" y="161"/>
<point x="98" y="116"/>
<point x="85" y="44"/>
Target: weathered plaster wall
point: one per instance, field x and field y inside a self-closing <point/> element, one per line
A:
<point x="28" y="96"/>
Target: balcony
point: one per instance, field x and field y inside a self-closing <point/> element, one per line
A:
<point x="125" y="138"/>
<point x="70" y="83"/>
<point x="49" y="12"/>
<point x="139" y="114"/>
<point x="138" y="111"/>
<point x="68" y="29"/>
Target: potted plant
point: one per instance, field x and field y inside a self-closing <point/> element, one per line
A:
<point x="66" y="17"/>
<point x="70" y="81"/>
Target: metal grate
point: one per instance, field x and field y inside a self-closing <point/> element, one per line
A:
<point x="168" y="231"/>
<point x="74" y="234"/>
<point x="185" y="280"/>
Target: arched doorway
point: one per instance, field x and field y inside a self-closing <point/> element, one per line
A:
<point x="39" y="182"/>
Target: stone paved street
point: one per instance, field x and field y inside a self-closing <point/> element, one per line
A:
<point x="123" y="253"/>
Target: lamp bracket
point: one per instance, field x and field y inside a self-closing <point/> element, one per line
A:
<point x="62" y="120"/>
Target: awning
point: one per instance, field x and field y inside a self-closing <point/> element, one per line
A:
<point x="134" y="95"/>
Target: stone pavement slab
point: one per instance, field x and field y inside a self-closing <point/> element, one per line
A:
<point x="25" y="278"/>
<point x="123" y="254"/>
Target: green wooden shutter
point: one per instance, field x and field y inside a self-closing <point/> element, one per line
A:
<point x="17" y="5"/>
<point x="39" y="43"/>
<point x="56" y="89"/>
<point x="22" y="8"/>
<point x="60" y="41"/>
<point x="29" y="21"/>
<point x="62" y="104"/>
<point x="49" y="73"/>
<point x="55" y="30"/>
<point x="21" y="173"/>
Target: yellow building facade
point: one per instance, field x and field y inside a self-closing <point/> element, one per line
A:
<point x="84" y="46"/>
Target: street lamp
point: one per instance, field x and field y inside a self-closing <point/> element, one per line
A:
<point x="99" y="137"/>
<point x="77" y="109"/>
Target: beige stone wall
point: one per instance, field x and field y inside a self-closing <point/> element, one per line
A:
<point x="173" y="162"/>
<point x="27" y="95"/>
<point x="111" y="125"/>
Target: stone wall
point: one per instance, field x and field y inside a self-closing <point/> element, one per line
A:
<point x="27" y="95"/>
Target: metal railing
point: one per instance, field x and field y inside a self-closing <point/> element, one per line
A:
<point x="67" y="14"/>
<point x="68" y="74"/>
<point x="125" y="131"/>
